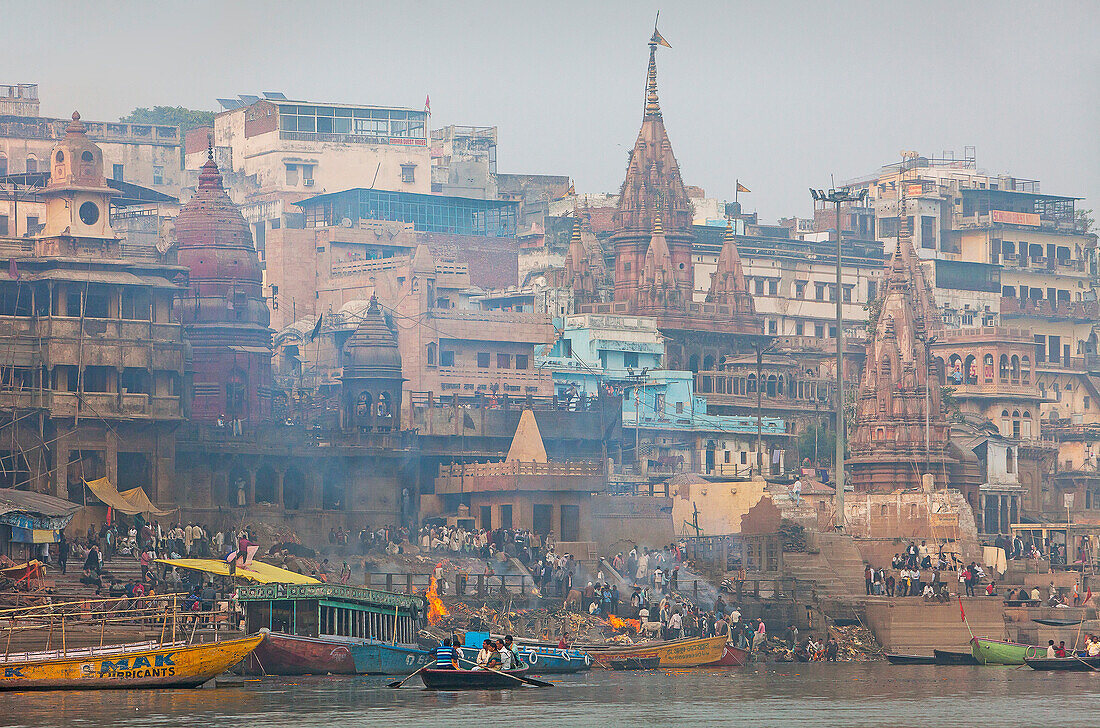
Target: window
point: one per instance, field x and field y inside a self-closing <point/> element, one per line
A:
<point x="307" y="175"/>
<point x="116" y="172"/>
<point x="89" y="213"/>
<point x="819" y="291"/>
<point x="3" y="165"/>
<point x="447" y="358"/>
<point x="832" y="332"/>
<point x="429" y="355"/>
<point x="800" y="289"/>
<point x="928" y="232"/>
<point x="32" y="165"/>
<point x="758" y="286"/>
<point x="292" y="175"/>
<point x="32" y="225"/>
<point x="773" y="287"/>
<point x="483" y="359"/>
<point x="3" y="224"/>
<point x="819" y="331"/>
<point x="521" y="361"/>
<point x="848" y="294"/>
<point x="504" y="361"/>
<point x="832" y="292"/>
<point x="408" y="173"/>
<point x="680" y="411"/>
<point x="158" y="174"/>
<point x="799" y="328"/>
<point x="773" y="327"/>
<point x="630" y="359"/>
<point x="872" y="290"/>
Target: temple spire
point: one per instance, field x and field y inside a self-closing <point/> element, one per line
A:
<point x="652" y="105"/>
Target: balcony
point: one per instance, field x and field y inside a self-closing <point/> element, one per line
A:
<point x="111" y="405"/>
<point x="1044" y="308"/>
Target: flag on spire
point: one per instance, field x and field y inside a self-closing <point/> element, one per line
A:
<point x="742" y="188"/>
<point x="428" y="104"/>
<point x="657" y="38"/>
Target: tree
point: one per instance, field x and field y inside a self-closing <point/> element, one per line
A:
<point x="185" y="119"/>
<point x="816" y="438"/>
<point x="1084" y="219"/>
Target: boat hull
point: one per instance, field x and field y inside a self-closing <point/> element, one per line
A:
<point x="374" y="658"/>
<point x="693" y="652"/>
<point x="471" y="679"/>
<point x="288" y="654"/>
<point x="636" y="663"/>
<point x="142" y="665"/>
<point x="544" y="660"/>
<point x="996" y="652"/>
<point x="1064" y="664"/>
<point x="950" y="657"/>
<point x="895" y="659"/>
<point x="732" y="657"/>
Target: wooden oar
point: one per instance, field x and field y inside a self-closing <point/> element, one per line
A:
<point x="528" y="680"/>
<point x="399" y="683"/>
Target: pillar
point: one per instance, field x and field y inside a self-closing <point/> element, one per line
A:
<point x="279" y="472"/>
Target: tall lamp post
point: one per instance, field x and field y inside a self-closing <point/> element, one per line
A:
<point x="836" y="197"/>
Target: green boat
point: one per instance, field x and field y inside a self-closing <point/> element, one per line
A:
<point x="997" y="652"/>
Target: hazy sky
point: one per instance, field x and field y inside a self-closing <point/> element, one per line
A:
<point x="778" y="94"/>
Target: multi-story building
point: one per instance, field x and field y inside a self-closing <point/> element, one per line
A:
<point x="93" y="374"/>
<point x="142" y="154"/>
<point x="464" y="161"/>
<point x="283" y="151"/>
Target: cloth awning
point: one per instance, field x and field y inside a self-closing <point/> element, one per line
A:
<point x="130" y="502"/>
<point x="258" y="571"/>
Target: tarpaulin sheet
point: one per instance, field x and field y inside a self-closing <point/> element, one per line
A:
<point x="994" y="558"/>
<point x="130" y="502"/>
<point x="258" y="571"/>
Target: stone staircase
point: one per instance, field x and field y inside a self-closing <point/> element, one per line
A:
<point x="836" y="569"/>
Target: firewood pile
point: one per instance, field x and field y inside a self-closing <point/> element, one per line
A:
<point x="538" y="624"/>
<point x="794" y="537"/>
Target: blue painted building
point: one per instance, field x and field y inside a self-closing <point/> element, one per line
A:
<point x="667" y="427"/>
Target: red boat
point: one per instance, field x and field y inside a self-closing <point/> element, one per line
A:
<point x="287" y="654"/>
<point x="732" y="657"/>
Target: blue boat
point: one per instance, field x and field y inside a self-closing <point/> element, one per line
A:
<point x="377" y="658"/>
<point x="543" y="660"/>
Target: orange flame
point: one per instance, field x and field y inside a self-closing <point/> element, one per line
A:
<point x="624" y="623"/>
<point x="436" y="609"/>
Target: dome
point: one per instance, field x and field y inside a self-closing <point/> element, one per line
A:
<point x="371" y="352"/>
<point x="213" y="239"/>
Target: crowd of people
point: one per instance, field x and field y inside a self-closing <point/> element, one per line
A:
<point x="919" y="572"/>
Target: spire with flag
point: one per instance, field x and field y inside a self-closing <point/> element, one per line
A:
<point x="428" y="104"/>
<point x="652" y="106"/>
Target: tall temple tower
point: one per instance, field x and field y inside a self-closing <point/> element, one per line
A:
<point x="652" y="188"/>
<point x="371" y="376"/>
<point x="901" y="431"/>
<point x="224" y="314"/>
<point x="728" y="285"/>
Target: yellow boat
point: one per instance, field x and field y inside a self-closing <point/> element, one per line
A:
<point x="137" y="665"/>
<point x="692" y="652"/>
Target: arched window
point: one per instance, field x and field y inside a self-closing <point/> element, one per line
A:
<point x="771" y="385"/>
<point x="1003" y="367"/>
<point x="752" y="384"/>
<point x="693" y="363"/>
<point x="1016" y="423"/>
<point x="708" y="363"/>
<point x="971" y="369"/>
<point x="384" y="409"/>
<point x="1014" y="368"/>
<point x="32" y="164"/>
<point x="1006" y="423"/>
<point x="1025" y="425"/>
<point x="429" y="354"/>
<point x="955" y="369"/>
<point x="987" y="367"/>
<point x="362" y="406"/>
<point x="1025" y="366"/>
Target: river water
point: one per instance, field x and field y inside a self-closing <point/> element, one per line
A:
<point x="839" y="694"/>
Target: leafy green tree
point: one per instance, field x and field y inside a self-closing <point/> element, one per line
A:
<point x="185" y="119"/>
<point x="1084" y="219"/>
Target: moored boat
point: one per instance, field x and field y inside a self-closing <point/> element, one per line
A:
<point x="996" y="652"/>
<point x="635" y="663"/>
<point x="333" y="628"/>
<point x="951" y="657"/>
<point x="899" y="659"/>
<point x="472" y="679"/>
<point x="540" y="660"/>
<point x="1064" y="664"/>
<point x="690" y="652"/>
<point x="732" y="657"/>
<point x="1057" y="622"/>
<point x="376" y="658"/>
<point x="138" y="665"/>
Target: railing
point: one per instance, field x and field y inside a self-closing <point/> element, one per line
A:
<point x="515" y="467"/>
<point x="460" y="585"/>
<point x="282" y="435"/>
<point x="1084" y="310"/>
